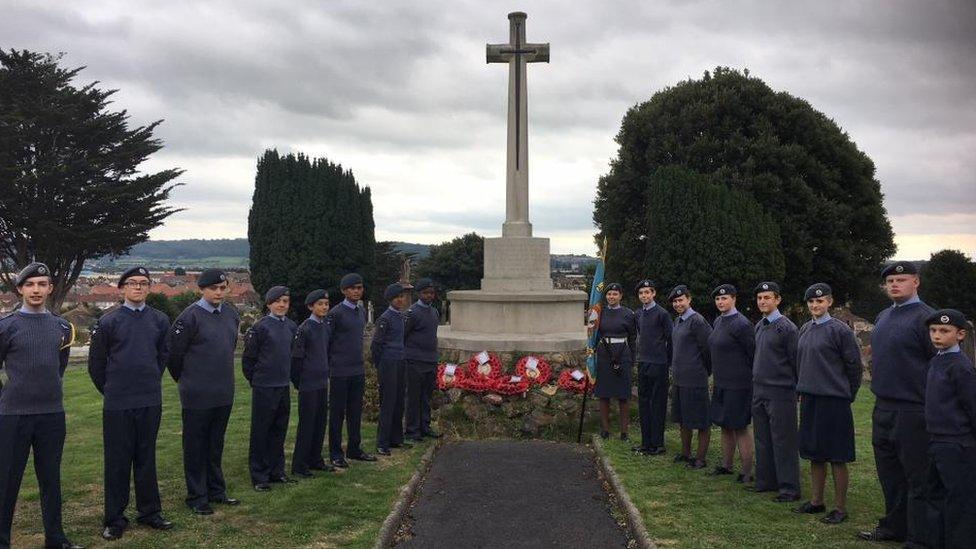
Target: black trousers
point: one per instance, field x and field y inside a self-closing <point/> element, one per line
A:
<point x="421" y="379"/>
<point x="390" y="374"/>
<point x="44" y="433"/>
<point x="203" y="450"/>
<point x="130" y="450"/>
<point x="900" y="454"/>
<point x="777" y="451"/>
<point x="951" y="488"/>
<point x="313" y="411"/>
<point x="652" y="403"/>
<point x="270" y="408"/>
<point x="346" y="405"/>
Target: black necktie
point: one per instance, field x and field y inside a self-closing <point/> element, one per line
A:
<point x="765" y="322"/>
<point x="216" y="311"/>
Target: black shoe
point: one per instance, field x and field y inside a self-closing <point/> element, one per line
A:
<point x="681" y="458"/>
<point x="226" y="501"/>
<point x="283" y="479"/>
<point x="416" y="440"/>
<point x="341" y="463"/>
<point x="743" y="478"/>
<point x="404" y="445"/>
<point x="641" y="451"/>
<point x="720" y="470"/>
<point x="834" y="517"/>
<point x="327" y="467"/>
<point x="753" y="488"/>
<point x="68" y="544"/>
<point x="605" y="435"/>
<point x="112" y="532"/>
<point x="809" y="508"/>
<point x="202" y="510"/>
<point x="302" y="474"/>
<point x="432" y="434"/>
<point x="384" y="452"/>
<point x="624" y="436"/>
<point x="157" y="523"/>
<point x="363" y="456"/>
<point x="262" y="487"/>
<point x="786" y="498"/>
<point x="657" y="451"/>
<point x="697" y="464"/>
<point x="879" y="534"/>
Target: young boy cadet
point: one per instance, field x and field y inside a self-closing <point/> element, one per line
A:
<point x="266" y="363"/>
<point x="653" y="358"/>
<point x="950" y="418"/>
<point x="900" y="354"/>
<point x="691" y="365"/>
<point x="34" y="347"/>
<point x="420" y="343"/>
<point x="387" y="352"/>
<point x="201" y="361"/>
<point x="732" y="346"/>
<point x="774" y="377"/>
<point x="346" y="373"/>
<point x="310" y="375"/>
<point x="126" y="359"/>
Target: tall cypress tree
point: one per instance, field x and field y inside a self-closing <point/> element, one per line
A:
<point x="310" y="223"/>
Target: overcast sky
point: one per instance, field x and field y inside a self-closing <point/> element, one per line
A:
<point x="399" y="92"/>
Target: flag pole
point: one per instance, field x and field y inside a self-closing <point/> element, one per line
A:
<point x="595" y="294"/>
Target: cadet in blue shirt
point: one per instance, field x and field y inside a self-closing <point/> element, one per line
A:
<point x="774" y="399"/>
<point x="310" y="375"/>
<point x="386" y="350"/>
<point x="950" y="418"/>
<point x="900" y="353"/>
<point x="266" y="362"/>
<point x="346" y="373"/>
<point x="616" y="350"/>
<point x="653" y="359"/>
<point x="420" y="342"/>
<point x="201" y="360"/>
<point x="691" y="364"/>
<point x="34" y="347"/>
<point x="126" y="359"/>
<point x="829" y="363"/>
<point x="732" y="346"/>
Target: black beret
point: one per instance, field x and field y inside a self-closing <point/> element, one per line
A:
<point x="350" y="280"/>
<point x="134" y="271"/>
<point x="817" y="290"/>
<point x="274" y="293"/>
<point x="393" y="290"/>
<point x="423" y="284"/>
<point x="614" y="286"/>
<point x="34" y="269"/>
<point x="767" y="287"/>
<point x="724" y="289"/>
<point x="678" y="291"/>
<point x="315" y="295"/>
<point x="646" y="283"/>
<point x="899" y="268"/>
<point x="209" y="277"/>
<point x="949" y="317"/>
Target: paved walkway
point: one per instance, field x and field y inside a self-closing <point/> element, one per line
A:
<point x="512" y="494"/>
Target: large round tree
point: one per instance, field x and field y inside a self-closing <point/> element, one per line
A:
<point x="795" y="162"/>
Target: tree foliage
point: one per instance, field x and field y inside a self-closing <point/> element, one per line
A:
<point x="796" y="163"/>
<point x="949" y="281"/>
<point x="309" y="224"/>
<point x="703" y="234"/>
<point x="70" y="189"/>
<point x="456" y="265"/>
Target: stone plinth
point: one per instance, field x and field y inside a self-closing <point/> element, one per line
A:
<point x="516" y="265"/>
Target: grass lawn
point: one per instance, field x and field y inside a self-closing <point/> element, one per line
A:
<point x="344" y="509"/>
<point x="686" y="508"/>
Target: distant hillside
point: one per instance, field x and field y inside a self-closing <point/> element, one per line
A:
<point x="419" y="250"/>
<point x="191" y="249"/>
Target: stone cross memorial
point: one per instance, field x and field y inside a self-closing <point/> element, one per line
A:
<point x="516" y="308"/>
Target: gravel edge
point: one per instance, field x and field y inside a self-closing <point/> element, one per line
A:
<point x="634" y="519"/>
<point x="389" y="528"/>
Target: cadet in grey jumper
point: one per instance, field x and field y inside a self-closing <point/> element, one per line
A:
<point x="387" y="352"/>
<point x="774" y="398"/>
<point x="900" y="354"/>
<point x="691" y="365"/>
<point x="126" y="359"/>
<point x="34" y="347"/>
<point x="310" y="375"/>
<point x="653" y="360"/>
<point x="420" y="350"/>
<point x="266" y="362"/>
<point x="202" y="342"/>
